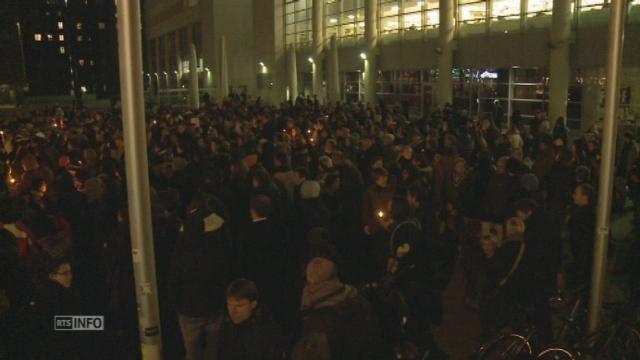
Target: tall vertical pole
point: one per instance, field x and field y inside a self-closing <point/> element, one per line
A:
<point x="23" y="59"/>
<point x="318" y="48"/>
<point x="371" y="62"/>
<point x="194" y="87"/>
<point x="135" y="139"/>
<point x="559" y="67"/>
<point x="444" y="93"/>
<point x="223" y="90"/>
<point x="292" y="68"/>
<point x="334" y="73"/>
<point x="609" y="133"/>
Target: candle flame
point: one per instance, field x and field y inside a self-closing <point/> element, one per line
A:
<point x="380" y="214"/>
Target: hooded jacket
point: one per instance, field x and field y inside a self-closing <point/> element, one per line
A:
<point x="338" y="317"/>
<point x="201" y="267"/>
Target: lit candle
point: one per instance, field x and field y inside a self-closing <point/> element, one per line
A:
<point x="308" y="131"/>
<point x="380" y="214"/>
<point x="12" y="180"/>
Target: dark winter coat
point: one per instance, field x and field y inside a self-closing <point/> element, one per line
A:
<point x="52" y="299"/>
<point x="581" y="226"/>
<point x="265" y="249"/>
<point x="344" y="322"/>
<point x="499" y="197"/>
<point x="201" y="267"/>
<point x="375" y="199"/>
<point x="254" y="339"/>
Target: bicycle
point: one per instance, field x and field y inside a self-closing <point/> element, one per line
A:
<point x="515" y="346"/>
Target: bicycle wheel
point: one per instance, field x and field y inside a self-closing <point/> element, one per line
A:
<point x="555" y="354"/>
<point x="508" y="347"/>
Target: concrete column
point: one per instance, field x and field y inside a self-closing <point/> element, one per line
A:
<point x="292" y="71"/>
<point x="178" y="58"/>
<point x="167" y="64"/>
<point x="194" y="87"/>
<point x="158" y="68"/>
<point x="371" y="63"/>
<point x="444" y="86"/>
<point x="333" y="81"/>
<point x="559" y="67"/>
<point x="591" y="98"/>
<point x="223" y="71"/>
<point x="318" y="48"/>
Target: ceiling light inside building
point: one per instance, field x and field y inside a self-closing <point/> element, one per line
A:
<point x="333" y="20"/>
<point x="363" y="56"/>
<point x="310" y="60"/>
<point x="352" y="16"/>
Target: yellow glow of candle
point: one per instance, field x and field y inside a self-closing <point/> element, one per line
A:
<point x="380" y="214"/>
<point x="12" y="180"/>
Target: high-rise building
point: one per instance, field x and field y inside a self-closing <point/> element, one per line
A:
<point x="12" y="74"/>
<point x="70" y="47"/>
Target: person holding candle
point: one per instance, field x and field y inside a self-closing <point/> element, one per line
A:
<point x="376" y="202"/>
<point x="410" y="268"/>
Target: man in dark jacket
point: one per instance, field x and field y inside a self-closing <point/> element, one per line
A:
<point x="264" y="246"/>
<point x="337" y="322"/>
<point x="200" y="272"/>
<point x="582" y="222"/>
<point x="243" y="333"/>
<point x="53" y="296"/>
<point x="410" y="268"/>
<point x="540" y="264"/>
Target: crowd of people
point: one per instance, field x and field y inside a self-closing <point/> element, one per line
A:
<point x="299" y="231"/>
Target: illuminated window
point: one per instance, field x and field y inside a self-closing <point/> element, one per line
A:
<point x="412" y="19"/>
<point x="472" y="11"/>
<point x="536" y="7"/>
<point x="588" y="5"/>
<point x="298" y="15"/>
<point x="62" y="50"/>
<point x="37" y="37"/>
<point x="79" y="26"/>
<point x="79" y="37"/>
<point x="61" y="37"/>
<point x="102" y="25"/>
<point x="50" y="37"/>
<point x="60" y="25"/>
<point x="345" y="19"/>
<point x="81" y="62"/>
<point x="505" y="9"/>
<point x="432" y="12"/>
<point x="389" y="20"/>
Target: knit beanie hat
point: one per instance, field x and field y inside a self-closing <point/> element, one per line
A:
<point x="310" y="189"/>
<point x="530" y="182"/>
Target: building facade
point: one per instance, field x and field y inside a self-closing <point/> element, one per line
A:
<point x="526" y="56"/>
<point x="12" y="75"/>
<point x="70" y="47"/>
